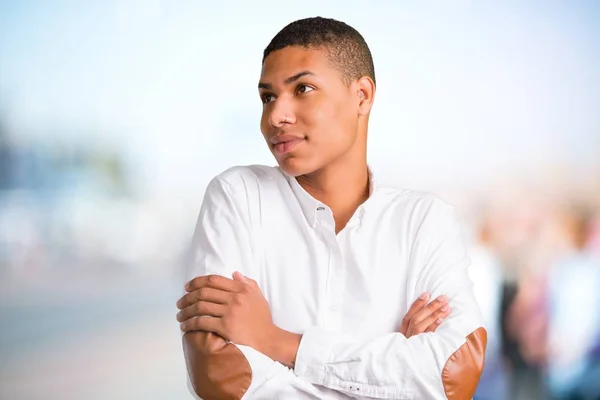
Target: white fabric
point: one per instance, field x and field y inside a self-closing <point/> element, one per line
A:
<point x="346" y="293"/>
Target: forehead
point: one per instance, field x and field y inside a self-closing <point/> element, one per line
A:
<point x="281" y="64"/>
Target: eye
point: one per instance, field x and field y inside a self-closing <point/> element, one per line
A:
<point x="267" y="98"/>
<point x="304" y="89"/>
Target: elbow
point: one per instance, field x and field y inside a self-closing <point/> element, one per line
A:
<point x="462" y="371"/>
<point x="217" y="369"/>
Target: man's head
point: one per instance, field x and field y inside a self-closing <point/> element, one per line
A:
<point x="317" y="86"/>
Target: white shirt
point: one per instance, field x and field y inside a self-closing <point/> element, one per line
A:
<point x="346" y="293"/>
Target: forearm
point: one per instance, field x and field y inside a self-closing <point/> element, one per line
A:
<point x="219" y="370"/>
<point x="283" y="348"/>
<point x="427" y="366"/>
<point x="216" y="369"/>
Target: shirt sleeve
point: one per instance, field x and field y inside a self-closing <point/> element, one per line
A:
<point x="445" y="364"/>
<point x="223" y="370"/>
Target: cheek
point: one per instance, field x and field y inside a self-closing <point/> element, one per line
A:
<point x="318" y="118"/>
<point x="331" y="122"/>
<point x="264" y="123"/>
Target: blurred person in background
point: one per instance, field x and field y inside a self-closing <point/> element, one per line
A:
<point x="522" y="312"/>
<point x="573" y="296"/>
<point x="487" y="276"/>
<point x="593" y="243"/>
<point x="525" y="344"/>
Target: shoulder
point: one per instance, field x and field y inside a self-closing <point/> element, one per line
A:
<point x="242" y="189"/>
<point x="419" y="205"/>
<point x="246" y="178"/>
<point x="241" y="173"/>
<point x="422" y="216"/>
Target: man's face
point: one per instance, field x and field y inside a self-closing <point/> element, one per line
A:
<point x="310" y="114"/>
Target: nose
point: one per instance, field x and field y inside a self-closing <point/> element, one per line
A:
<point x="281" y="113"/>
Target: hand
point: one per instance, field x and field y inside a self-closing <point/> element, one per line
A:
<point x="234" y="309"/>
<point x="423" y="317"/>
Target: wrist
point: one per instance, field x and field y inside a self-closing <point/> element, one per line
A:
<point x="283" y="346"/>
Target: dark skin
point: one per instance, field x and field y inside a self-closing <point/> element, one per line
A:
<point x="315" y="123"/>
<point x="304" y="96"/>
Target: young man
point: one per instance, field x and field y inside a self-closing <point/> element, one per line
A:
<point x="302" y="274"/>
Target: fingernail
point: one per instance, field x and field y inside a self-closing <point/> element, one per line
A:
<point x="423" y="296"/>
<point x="445" y="308"/>
<point x="443" y="298"/>
<point x="182" y="326"/>
<point x="187" y="286"/>
<point x="178" y="316"/>
<point x="439" y="320"/>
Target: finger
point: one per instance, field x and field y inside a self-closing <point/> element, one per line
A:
<point x="417" y="305"/>
<point x="206" y="324"/>
<point x="205" y="294"/>
<point x="238" y="276"/>
<point x="424" y="313"/>
<point x="439" y="315"/>
<point x="202" y="308"/>
<point x="429" y="309"/>
<point x="435" y="325"/>
<point x="411" y="330"/>
<point x="213" y="281"/>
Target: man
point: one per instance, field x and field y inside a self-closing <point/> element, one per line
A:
<point x="325" y="262"/>
<point x="486" y="273"/>
<point x="572" y="366"/>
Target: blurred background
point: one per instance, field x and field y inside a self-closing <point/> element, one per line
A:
<point x="115" y="114"/>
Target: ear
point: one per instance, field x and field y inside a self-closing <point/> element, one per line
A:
<point x="366" y="94"/>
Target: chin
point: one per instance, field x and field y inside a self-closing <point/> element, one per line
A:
<point x="295" y="166"/>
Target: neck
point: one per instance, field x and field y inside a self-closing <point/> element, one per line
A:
<point x="342" y="186"/>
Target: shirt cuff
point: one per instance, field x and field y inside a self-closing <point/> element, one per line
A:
<point x="263" y="367"/>
<point x="313" y="354"/>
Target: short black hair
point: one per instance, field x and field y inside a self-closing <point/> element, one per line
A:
<point x="345" y="46"/>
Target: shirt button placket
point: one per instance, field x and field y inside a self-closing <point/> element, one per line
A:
<point x="336" y="276"/>
<point x="331" y="313"/>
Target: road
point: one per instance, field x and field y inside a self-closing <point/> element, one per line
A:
<point x="117" y="339"/>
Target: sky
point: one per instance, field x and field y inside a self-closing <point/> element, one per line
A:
<point x="466" y="89"/>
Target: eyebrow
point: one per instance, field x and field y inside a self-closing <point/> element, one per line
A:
<point x="289" y="80"/>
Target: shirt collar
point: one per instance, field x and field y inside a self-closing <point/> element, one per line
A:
<point x="310" y="206"/>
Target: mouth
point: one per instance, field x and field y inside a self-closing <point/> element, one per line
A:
<point x="285" y="143"/>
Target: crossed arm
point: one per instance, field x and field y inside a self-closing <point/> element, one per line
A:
<point x="217" y="312"/>
<point x="232" y="356"/>
<point x="238" y="312"/>
<point x="221" y="310"/>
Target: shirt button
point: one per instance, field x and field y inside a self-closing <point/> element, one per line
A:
<point x="308" y="371"/>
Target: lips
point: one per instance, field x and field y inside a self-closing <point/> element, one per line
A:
<point x="285" y="143"/>
<point x="285" y="138"/>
